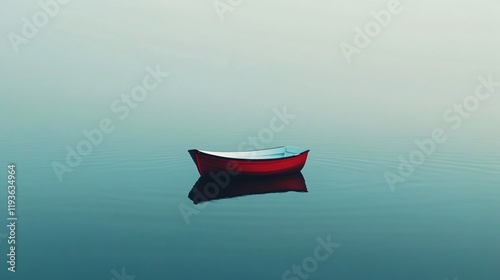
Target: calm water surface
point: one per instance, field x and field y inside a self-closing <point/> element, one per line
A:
<point x="120" y="209"/>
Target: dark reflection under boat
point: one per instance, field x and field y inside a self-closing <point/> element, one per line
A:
<point x="208" y="188"/>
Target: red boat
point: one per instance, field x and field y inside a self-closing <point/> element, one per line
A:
<point x="274" y="161"/>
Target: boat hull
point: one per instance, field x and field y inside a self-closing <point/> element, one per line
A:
<point x="209" y="164"/>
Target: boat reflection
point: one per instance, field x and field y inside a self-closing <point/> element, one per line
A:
<point x="207" y="189"/>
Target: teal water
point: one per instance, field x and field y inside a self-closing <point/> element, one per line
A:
<point x="269" y="73"/>
<point x="120" y="208"/>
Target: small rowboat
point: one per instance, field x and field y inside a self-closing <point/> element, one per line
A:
<point x="203" y="190"/>
<point x="274" y="161"/>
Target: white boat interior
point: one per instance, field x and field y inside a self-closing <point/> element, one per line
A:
<point x="278" y="152"/>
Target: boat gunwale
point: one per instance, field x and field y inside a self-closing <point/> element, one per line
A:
<point x="246" y="159"/>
